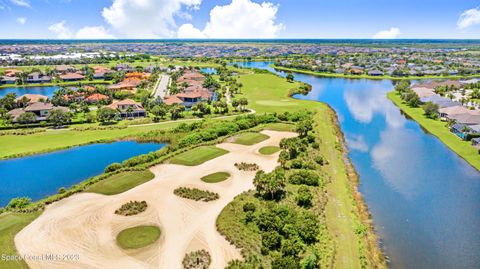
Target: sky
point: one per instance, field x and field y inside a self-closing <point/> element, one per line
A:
<point x="162" y="19"/>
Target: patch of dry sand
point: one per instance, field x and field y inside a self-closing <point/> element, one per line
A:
<point x="85" y="224"/>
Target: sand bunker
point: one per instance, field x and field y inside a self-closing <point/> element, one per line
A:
<point x="84" y="226"/>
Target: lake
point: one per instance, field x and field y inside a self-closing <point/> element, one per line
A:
<point x="41" y="175"/>
<point x="47" y="91"/>
<point x="424" y="199"/>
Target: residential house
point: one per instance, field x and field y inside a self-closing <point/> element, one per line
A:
<point x="37" y="77"/>
<point x="64" y="69"/>
<point x="40" y="109"/>
<point x="128" y="108"/>
<point x="96" y="98"/>
<point x="32" y="98"/>
<point x="72" y="77"/>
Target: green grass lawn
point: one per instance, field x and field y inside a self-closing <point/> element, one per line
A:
<point x="138" y="237"/>
<point x="250" y="138"/>
<point x="439" y="129"/>
<point x="121" y="182"/>
<point x="269" y="150"/>
<point x="281" y="127"/>
<point x="198" y="155"/>
<point x="12" y="145"/>
<point x="10" y="225"/>
<point x="216" y="177"/>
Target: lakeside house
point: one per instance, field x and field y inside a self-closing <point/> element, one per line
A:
<point x="37" y="77"/>
<point x="40" y="109"/>
<point x="129" y="108"/>
<point x="30" y="98"/>
<point x="72" y="77"/>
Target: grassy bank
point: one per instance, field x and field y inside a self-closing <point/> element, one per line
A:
<point x="335" y="75"/>
<point x="10" y="225"/>
<point x="121" y="182"/>
<point x="439" y="129"/>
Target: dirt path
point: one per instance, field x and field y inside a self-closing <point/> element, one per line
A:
<point x="85" y="224"/>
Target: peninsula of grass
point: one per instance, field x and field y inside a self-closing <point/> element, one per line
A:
<point x="198" y="155"/>
<point x="439" y="129"/>
<point x="249" y="139"/>
<point x="120" y="182"/>
<point x="138" y="237"/>
<point x="132" y="208"/>
<point x="10" y="225"/>
<point x="269" y="150"/>
<point x="196" y="194"/>
<point x="216" y="177"/>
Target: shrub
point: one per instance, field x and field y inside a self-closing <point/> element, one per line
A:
<point x="132" y="208"/>
<point x="304" y="197"/>
<point x="18" y="203"/>
<point x="113" y="167"/>
<point x="247" y="166"/>
<point x="249" y="207"/>
<point x="199" y="259"/>
<point x="196" y="194"/>
<point x="304" y="177"/>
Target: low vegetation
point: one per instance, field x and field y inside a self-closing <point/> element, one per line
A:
<point x="199" y="259"/>
<point x="196" y="194"/>
<point x="132" y="208"/>
<point x="269" y="150"/>
<point x="121" y="182"/>
<point x="216" y="177"/>
<point x="10" y="225"/>
<point x="198" y="155"/>
<point x="250" y="138"/>
<point x="138" y="237"/>
<point x="247" y="166"/>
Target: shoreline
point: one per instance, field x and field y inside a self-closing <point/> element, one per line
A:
<point x="437" y="128"/>
<point x="333" y="75"/>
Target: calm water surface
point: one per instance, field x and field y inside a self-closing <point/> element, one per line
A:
<point x="41" y="175"/>
<point x="47" y="91"/>
<point x="424" y="199"/>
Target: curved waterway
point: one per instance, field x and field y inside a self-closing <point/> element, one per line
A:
<point x="41" y="175"/>
<point x="424" y="199"/>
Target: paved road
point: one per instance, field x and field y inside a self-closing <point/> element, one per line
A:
<point x="161" y="86"/>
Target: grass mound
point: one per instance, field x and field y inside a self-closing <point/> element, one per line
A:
<point x="216" y="177"/>
<point x="199" y="259"/>
<point x="132" y="208"/>
<point x="249" y="139"/>
<point x="198" y="155"/>
<point x="269" y="150"/>
<point x="196" y="194"/>
<point x="247" y="166"/>
<point x="121" y="182"/>
<point x="138" y="237"/>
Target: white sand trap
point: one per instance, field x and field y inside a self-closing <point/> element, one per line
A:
<point x="85" y="224"/>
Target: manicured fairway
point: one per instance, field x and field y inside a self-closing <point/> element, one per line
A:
<point x="269" y="150"/>
<point x="198" y="155"/>
<point x="121" y="182"/>
<point x="216" y="177"/>
<point x="250" y="138"/>
<point x="11" y="145"/>
<point x="439" y="129"/>
<point x="10" y="225"/>
<point x="138" y="237"/>
<point x="281" y="127"/>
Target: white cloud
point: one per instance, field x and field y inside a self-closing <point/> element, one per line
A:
<point x="239" y="19"/>
<point x="93" y="32"/>
<point x="387" y="34"/>
<point x="22" y="3"/>
<point x="147" y="18"/>
<point x="469" y="18"/>
<point x="61" y="30"/>
<point x="21" y="20"/>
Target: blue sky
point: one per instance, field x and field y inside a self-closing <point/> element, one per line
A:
<point x="239" y="19"/>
